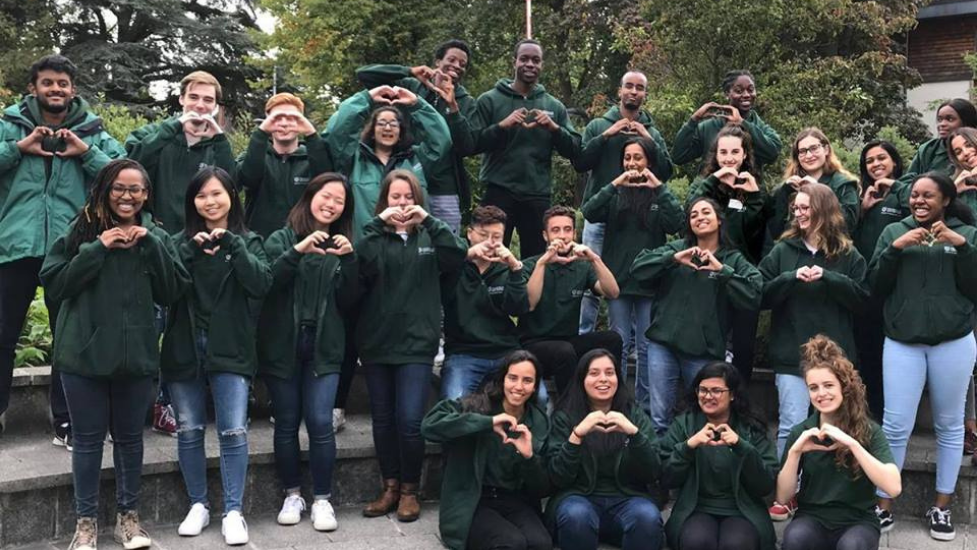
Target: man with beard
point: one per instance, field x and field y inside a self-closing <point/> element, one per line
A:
<point x="449" y="191"/>
<point x="51" y="147"/>
<point x="517" y="126"/>
<point x="559" y="277"/>
<point x="603" y="141"/>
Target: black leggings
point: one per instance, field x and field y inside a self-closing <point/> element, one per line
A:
<point x="703" y="531"/>
<point x="559" y="356"/>
<point x="507" y="522"/>
<point x="807" y="534"/>
<point x="524" y="215"/>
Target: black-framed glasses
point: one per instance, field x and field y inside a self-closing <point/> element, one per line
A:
<point x="386" y="124"/>
<point x="711" y="392"/>
<point x="812" y="150"/>
<point x="119" y="191"/>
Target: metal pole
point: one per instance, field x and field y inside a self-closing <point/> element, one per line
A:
<point x="529" y="18"/>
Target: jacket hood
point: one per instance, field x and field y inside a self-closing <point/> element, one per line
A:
<point x="504" y="85"/>
<point x="909" y="222"/>
<point x="27" y="113"/>
<point x="614" y="114"/>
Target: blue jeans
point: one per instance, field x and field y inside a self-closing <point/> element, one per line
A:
<point x="230" y="392"/>
<point x="463" y="374"/>
<point x="398" y="401"/>
<point x="795" y="402"/>
<point x="308" y="397"/>
<point x="92" y="404"/>
<point x="630" y="316"/>
<point x="666" y="369"/>
<point x="593" y="237"/>
<point x="945" y="369"/>
<point x="632" y="523"/>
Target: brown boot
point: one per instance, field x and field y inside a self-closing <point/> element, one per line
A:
<point x="386" y="502"/>
<point x="409" y="508"/>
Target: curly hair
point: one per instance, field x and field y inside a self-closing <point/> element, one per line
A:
<point x="852" y="417"/>
<point x="827" y="222"/>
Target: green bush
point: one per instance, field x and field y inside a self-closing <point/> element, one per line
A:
<point x="34" y="345"/>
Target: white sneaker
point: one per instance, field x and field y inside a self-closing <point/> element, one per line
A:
<point x="197" y="518"/>
<point x="234" y="528"/>
<point x="292" y="510"/>
<point x="323" y="516"/>
<point x="338" y="420"/>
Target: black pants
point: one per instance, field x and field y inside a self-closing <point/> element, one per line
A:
<point x="869" y="339"/>
<point x="744" y="340"/>
<point x="523" y="215"/>
<point x="506" y="522"/>
<point x="559" y="356"/>
<point x="807" y="534"/>
<point x="18" y="283"/>
<point x="708" y="532"/>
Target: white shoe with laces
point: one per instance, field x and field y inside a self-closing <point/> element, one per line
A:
<point x="197" y="518"/>
<point x="323" y="516"/>
<point x="234" y="528"/>
<point x="292" y="509"/>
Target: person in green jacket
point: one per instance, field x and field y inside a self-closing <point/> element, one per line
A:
<point x="517" y="126"/>
<point x="719" y="458"/>
<point x="697" y="135"/>
<point x="925" y="268"/>
<point x="963" y="157"/>
<point x="932" y="156"/>
<point x="315" y="281"/>
<point x="403" y="255"/>
<point x="107" y="272"/>
<point x="699" y="280"/>
<point x="51" y="147"/>
<point x="277" y="166"/>
<point x="638" y="212"/>
<point x="209" y="341"/>
<point x="449" y="188"/>
<point x="836" y="459"/>
<point x="494" y="445"/>
<point x="602" y="459"/>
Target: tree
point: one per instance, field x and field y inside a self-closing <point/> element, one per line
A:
<point x="26" y="33"/>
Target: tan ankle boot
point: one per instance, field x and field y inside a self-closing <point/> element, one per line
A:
<point x="386" y="502"/>
<point x="409" y="508"/>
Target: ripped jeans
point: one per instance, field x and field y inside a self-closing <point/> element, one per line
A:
<point x="230" y="392"/>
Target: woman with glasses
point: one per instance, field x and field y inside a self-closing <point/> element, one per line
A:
<point x="718" y="455"/>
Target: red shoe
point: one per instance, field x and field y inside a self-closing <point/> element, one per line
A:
<point x="783" y="512"/>
<point x="164" y="421"/>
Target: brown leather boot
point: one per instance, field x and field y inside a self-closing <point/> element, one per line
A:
<point x="386" y="502"/>
<point x="409" y="508"/>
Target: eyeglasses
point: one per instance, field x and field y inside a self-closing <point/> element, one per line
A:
<point x="812" y="150"/>
<point x="386" y="124"/>
<point x="802" y="208"/>
<point x="711" y="392"/>
<point x="119" y="191"/>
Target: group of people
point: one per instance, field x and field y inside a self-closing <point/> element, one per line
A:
<point x="348" y="253"/>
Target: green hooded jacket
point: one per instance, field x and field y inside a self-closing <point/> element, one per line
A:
<point x="695" y="138"/>
<point x="466" y="439"/>
<point x="39" y="196"/>
<point x="804" y="310"/>
<point x="929" y="291"/>
<point x="778" y="205"/>
<point x="932" y="156"/>
<point x="743" y="211"/>
<point x="231" y="330"/>
<point x="107" y="322"/>
<point x="478" y="309"/>
<point x="753" y="478"/>
<point x="893" y="208"/>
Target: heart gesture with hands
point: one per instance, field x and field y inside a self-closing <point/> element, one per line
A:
<point x="809" y="274"/>
<point x="513" y="433"/>
<point x="33" y="143"/>
<point x="558" y="251"/>
<point x="609" y="422"/>
<point x="699" y="259"/>
<point x="200" y="126"/>
<point x="943" y="234"/>
<point x="716" y="110"/>
<point x="209" y="242"/>
<point x="122" y="237"/>
<point x="403" y="216"/>
<point x="816" y="440"/>
<point x="913" y="237"/>
<point x="321" y="243"/>
<point x="713" y="435"/>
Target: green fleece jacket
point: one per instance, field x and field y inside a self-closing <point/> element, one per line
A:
<point x="231" y="328"/>
<point x="693" y="312"/>
<point x="929" y="291"/>
<point x="695" y="138"/>
<point x="278" y="324"/>
<point x="400" y="315"/>
<point x="628" y="233"/>
<point x="39" y="196"/>
<point x="744" y="213"/>
<point x="778" y="205"/>
<point x="107" y="322"/>
<point x="273" y="183"/>
<point x="519" y="159"/>
<point x="804" y="310"/>
<point x="753" y="477"/>
<point x="601" y="156"/>
<point x="478" y="309"/>
<point x="468" y="441"/>
<point x="171" y="163"/>
<point x="931" y="156"/>
<point x="893" y="208"/>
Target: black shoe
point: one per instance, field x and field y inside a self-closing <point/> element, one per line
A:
<point x="886" y="521"/>
<point x="940" y="526"/>
<point x="62" y="436"/>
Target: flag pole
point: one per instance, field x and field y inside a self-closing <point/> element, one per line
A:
<point x="529" y="18"/>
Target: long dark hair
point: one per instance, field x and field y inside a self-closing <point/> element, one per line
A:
<point x="487" y="399"/>
<point x="96" y="215"/>
<point x="637" y="201"/>
<point x="368" y="136"/>
<point x="739" y="405"/>
<point x="576" y="405"/>
<point x="965" y="110"/>
<point x="195" y="223"/>
<point x="711" y="165"/>
<point x="866" y="178"/>
<point x="300" y="218"/>
<point x="690" y="237"/>
<point x="956" y="207"/>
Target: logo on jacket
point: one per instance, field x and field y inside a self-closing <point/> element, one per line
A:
<point x="300" y="180"/>
<point x="889" y="211"/>
<point x="494" y="290"/>
<point x="425" y="250"/>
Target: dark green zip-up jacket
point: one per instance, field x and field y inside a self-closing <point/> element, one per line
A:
<point x="557" y="315"/>
<point x="893" y="208"/>
<point x="932" y="156"/>
<point x="231" y="329"/>
<point x="744" y="213"/>
<point x="478" y="309"/>
<point x="400" y="315"/>
<point x="753" y="478"/>
<point x="467" y="441"/>
<point x="804" y="310"/>
<point x="338" y="284"/>
<point x="627" y="234"/>
<point x="692" y="315"/>
<point x="39" y="196"/>
<point x="601" y="156"/>
<point x="162" y="149"/>
<point x="273" y="183"/>
<point x="695" y="138"/>
<point x="778" y="205"/>
<point x="107" y="323"/>
<point x="929" y="291"/>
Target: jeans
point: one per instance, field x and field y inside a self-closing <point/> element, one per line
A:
<point x="308" y="397"/>
<point x="632" y="523"/>
<point x="593" y="237"/>
<point x="703" y="531"/>
<point x="524" y="215"/>
<point x="92" y="404"/>
<point x="666" y="368"/>
<point x="630" y="317"/>
<point x="446" y="208"/>
<point x="508" y="521"/>
<point x="398" y="401"/>
<point x="230" y="392"/>
<point x="805" y="533"/>
<point x="463" y="374"/>
<point x="795" y="402"/>
<point x="945" y="369"/>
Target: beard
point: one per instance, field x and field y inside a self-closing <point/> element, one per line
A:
<point x="57" y="109"/>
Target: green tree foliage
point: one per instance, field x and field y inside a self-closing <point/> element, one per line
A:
<point x="26" y="33"/>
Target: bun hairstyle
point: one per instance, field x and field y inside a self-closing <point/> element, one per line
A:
<point x="821" y="352"/>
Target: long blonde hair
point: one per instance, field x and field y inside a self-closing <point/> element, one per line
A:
<point x="827" y="222"/>
<point x="831" y="163"/>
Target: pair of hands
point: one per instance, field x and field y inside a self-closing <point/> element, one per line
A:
<point x="61" y="143"/>
<point x="392" y="95"/>
<point x="209" y="242"/>
<point x="966" y="180"/>
<point x="637" y="178"/>
<point x="627" y="126"/>
<point x="404" y="216"/>
<point x="809" y="274"/>
<point x="438" y="82"/>
<point x="937" y="233"/>
<point x="513" y="433"/>
<point x="302" y="124"/>
<point x="797" y="181"/>
<point x="715" y="110"/>
<point x="876" y="193"/>
<point x="200" y="126"/>
<point x="564" y="252"/>
<point x="609" y="422"/>
<point x="529" y="118"/>
<point x="739" y="181"/>
<point x="699" y="259"/>
<point x="321" y="243"/>
<point x="122" y="238"/>
<point x="494" y="253"/>
<point x="714" y="435"/>
<point x="823" y="439"/>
